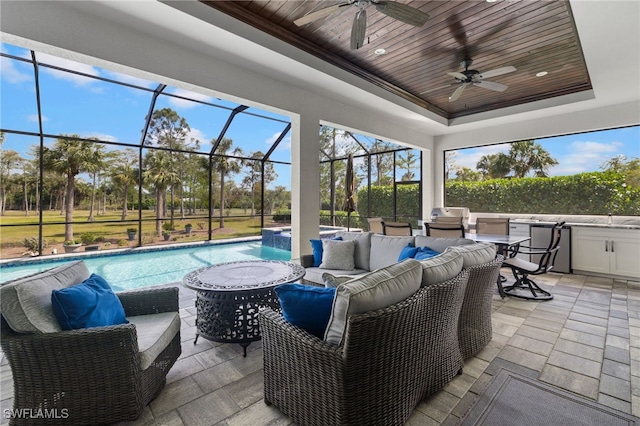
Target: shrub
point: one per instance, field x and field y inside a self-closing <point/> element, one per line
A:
<point x="167" y="226"/>
<point x="122" y="243"/>
<point x="32" y="244"/>
<point x="88" y="237"/>
<point x="283" y="216"/>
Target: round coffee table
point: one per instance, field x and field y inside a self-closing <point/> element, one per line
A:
<point x="230" y="295"/>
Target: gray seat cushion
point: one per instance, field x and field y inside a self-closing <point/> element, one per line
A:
<point x="314" y="275"/>
<point x="26" y="302"/>
<point x="154" y="332"/>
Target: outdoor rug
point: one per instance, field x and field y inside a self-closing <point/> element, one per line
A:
<point x="512" y="399"/>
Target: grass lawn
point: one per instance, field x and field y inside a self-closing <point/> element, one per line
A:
<point x="114" y="234"/>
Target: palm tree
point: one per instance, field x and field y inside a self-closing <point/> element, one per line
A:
<point x="124" y="175"/>
<point x="527" y="156"/>
<point x="9" y="159"/>
<point x="254" y="176"/>
<point x="98" y="162"/>
<point x="225" y="166"/>
<point x="158" y="174"/>
<point x="69" y="157"/>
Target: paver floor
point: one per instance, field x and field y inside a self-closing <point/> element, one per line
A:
<point x="586" y="340"/>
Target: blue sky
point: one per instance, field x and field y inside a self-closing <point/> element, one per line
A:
<point x="577" y="153"/>
<point x="76" y="104"/>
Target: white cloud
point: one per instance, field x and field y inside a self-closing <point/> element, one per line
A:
<point x="185" y="104"/>
<point x="101" y="136"/>
<point x="285" y="143"/>
<point x="585" y="156"/>
<point x="199" y="135"/>
<point x="33" y="118"/>
<point x="11" y="74"/>
<point x="123" y="78"/>
<point x="469" y="158"/>
<point x="76" y="79"/>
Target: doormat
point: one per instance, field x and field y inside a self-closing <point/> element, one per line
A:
<point x="512" y="399"/>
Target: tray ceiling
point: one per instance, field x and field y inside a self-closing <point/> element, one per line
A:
<point x="532" y="36"/>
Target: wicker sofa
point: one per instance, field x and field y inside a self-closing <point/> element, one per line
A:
<point x="389" y="360"/>
<point x="86" y="376"/>
<point x="375" y="251"/>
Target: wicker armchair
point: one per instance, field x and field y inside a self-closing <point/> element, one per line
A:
<point x="474" y="328"/>
<point x="389" y="361"/>
<point x="91" y="375"/>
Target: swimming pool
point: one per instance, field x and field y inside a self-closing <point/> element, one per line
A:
<point x="125" y="271"/>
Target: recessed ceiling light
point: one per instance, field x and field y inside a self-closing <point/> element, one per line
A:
<point x="379" y="51"/>
<point x="542" y="74"/>
<point x="491" y="1"/>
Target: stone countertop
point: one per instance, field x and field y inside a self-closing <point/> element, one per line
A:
<point x="619" y="222"/>
<point x="603" y="225"/>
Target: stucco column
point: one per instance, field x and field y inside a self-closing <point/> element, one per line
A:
<point x="305" y="183"/>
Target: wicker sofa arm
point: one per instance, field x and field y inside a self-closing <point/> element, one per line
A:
<point x="306" y="260"/>
<point x="277" y="331"/>
<point x="149" y="301"/>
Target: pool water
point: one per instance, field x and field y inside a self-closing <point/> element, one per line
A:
<point x="148" y="268"/>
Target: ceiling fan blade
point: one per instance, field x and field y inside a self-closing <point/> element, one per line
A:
<point x="496" y="87"/>
<point x="457" y="93"/>
<point x="319" y="14"/>
<point x="457" y="75"/>
<point x="497" y="72"/>
<point x="358" y="29"/>
<point x="437" y="88"/>
<point x="402" y="12"/>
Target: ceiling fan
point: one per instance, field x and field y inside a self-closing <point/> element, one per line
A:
<point x="395" y="10"/>
<point x="468" y="77"/>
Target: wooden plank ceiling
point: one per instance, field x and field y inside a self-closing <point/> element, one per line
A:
<point x="532" y="36"/>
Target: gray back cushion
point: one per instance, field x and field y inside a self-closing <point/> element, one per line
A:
<point x="26" y="302"/>
<point x="440" y="244"/>
<point x="441" y="268"/>
<point x="386" y="249"/>
<point x="363" y="247"/>
<point x="375" y="290"/>
<point x="475" y="254"/>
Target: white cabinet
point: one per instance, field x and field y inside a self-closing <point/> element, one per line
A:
<point x="607" y="251"/>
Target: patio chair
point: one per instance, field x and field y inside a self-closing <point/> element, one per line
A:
<point x="397" y="228"/>
<point x="492" y="225"/>
<point x="375" y="225"/>
<point x="448" y="219"/>
<point x="92" y="375"/>
<point x="444" y="230"/>
<point x="524" y="287"/>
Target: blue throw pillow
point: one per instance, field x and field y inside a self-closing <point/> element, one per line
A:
<point x="306" y="306"/>
<point x="408" y="252"/>
<point x="92" y="303"/>
<point x="425" y="253"/>
<point x="316" y="246"/>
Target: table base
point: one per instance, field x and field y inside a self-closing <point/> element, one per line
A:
<point x="232" y="317"/>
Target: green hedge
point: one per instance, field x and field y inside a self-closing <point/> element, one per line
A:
<point x="594" y="193"/>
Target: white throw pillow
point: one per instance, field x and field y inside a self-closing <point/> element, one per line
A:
<point x="338" y="254"/>
<point x="375" y="290"/>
